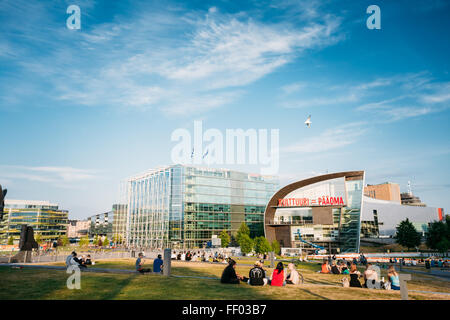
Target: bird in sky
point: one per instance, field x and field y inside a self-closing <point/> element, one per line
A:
<point x="308" y="122"/>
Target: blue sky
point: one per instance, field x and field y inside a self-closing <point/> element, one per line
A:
<point x="81" y="110"/>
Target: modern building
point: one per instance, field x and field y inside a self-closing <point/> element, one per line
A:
<point x="182" y="206"/>
<point x="48" y="221"/>
<point x="330" y="212"/>
<point x="101" y="225"/>
<point x="387" y="215"/>
<point x="319" y="212"/>
<point x="119" y="226"/>
<point x="386" y="191"/>
<point x="77" y="228"/>
<point x="411" y="200"/>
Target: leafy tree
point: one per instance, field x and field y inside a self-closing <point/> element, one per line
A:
<point x="95" y="242"/>
<point x="246" y="243"/>
<point x="261" y="245"/>
<point x="276" y="247"/>
<point x="11" y="240"/>
<point x="63" y="240"/>
<point x="407" y="235"/>
<point x="225" y="238"/>
<point x="243" y="230"/>
<point x="84" y="241"/>
<point x="438" y="235"/>
<point x="106" y="241"/>
<point x="38" y="238"/>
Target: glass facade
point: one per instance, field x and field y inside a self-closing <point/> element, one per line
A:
<point x="183" y="206"/>
<point x="325" y="213"/>
<point x="119" y="225"/>
<point x="48" y="222"/>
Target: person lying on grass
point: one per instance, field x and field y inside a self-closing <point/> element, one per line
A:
<point x="229" y="274"/>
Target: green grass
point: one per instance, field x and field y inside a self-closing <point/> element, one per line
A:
<point x="51" y="284"/>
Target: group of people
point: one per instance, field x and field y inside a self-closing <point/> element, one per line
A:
<point x="257" y="275"/>
<point x="199" y="256"/>
<point x="157" y="264"/>
<point x="370" y="274"/>
<point x="73" y="260"/>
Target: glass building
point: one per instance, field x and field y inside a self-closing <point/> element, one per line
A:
<point x="101" y="225"/>
<point x="119" y="225"/>
<point x="184" y="206"/>
<point x="48" y="222"/>
<point x="320" y="212"/>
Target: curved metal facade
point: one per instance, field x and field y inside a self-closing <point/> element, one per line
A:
<point x="332" y="220"/>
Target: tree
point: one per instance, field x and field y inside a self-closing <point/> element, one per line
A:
<point x="84" y="241"/>
<point x="407" y="235"/>
<point x="63" y="240"/>
<point x="106" y="241"/>
<point x="261" y="245"/>
<point x="225" y="238"/>
<point x="11" y="240"/>
<point x="246" y="243"/>
<point x="276" y="247"/>
<point x="243" y="230"/>
<point x="438" y="235"/>
<point x="95" y="241"/>
<point x="38" y="238"/>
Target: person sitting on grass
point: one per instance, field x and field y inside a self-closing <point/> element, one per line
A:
<point x="344" y="269"/>
<point x="80" y="262"/>
<point x="370" y="275"/>
<point x="88" y="261"/>
<point x="257" y="275"/>
<point x="325" y="267"/>
<point x="277" y="277"/>
<point x="229" y="274"/>
<point x="293" y="277"/>
<point x="335" y="269"/>
<point x="157" y="263"/>
<point x="354" y="275"/>
<point x="140" y="263"/>
<point x="70" y="260"/>
<point x="393" y="278"/>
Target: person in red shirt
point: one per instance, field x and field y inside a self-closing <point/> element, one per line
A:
<point x="277" y="278"/>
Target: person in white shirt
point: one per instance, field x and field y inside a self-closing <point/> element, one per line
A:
<point x="293" y="276"/>
<point x="183" y="256"/>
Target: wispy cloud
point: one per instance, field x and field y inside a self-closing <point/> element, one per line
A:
<point x="46" y="174"/>
<point x="329" y="139"/>
<point x="180" y="62"/>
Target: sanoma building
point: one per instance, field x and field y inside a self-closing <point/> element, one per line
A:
<point x="182" y="206"/>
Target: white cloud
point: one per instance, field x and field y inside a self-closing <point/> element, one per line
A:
<point x="46" y="174"/>
<point x="328" y="140"/>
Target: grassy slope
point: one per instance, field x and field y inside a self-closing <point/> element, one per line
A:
<point x="51" y="284"/>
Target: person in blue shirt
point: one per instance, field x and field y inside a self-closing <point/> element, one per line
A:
<point x="393" y="278"/>
<point x="157" y="264"/>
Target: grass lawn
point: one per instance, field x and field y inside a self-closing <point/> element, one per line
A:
<point x="51" y="284"/>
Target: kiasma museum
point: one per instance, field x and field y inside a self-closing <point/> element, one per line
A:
<point x="331" y="211"/>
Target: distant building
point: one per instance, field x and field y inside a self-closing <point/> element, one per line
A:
<point x="409" y="199"/>
<point x="77" y="228"/>
<point x="101" y="225"/>
<point x="47" y="220"/>
<point x="386" y="191"/>
<point x="386" y="215"/>
<point x="119" y="225"/>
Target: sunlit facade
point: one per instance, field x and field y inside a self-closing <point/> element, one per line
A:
<point x="321" y="211"/>
<point x="48" y="221"/>
<point x="184" y="206"/>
